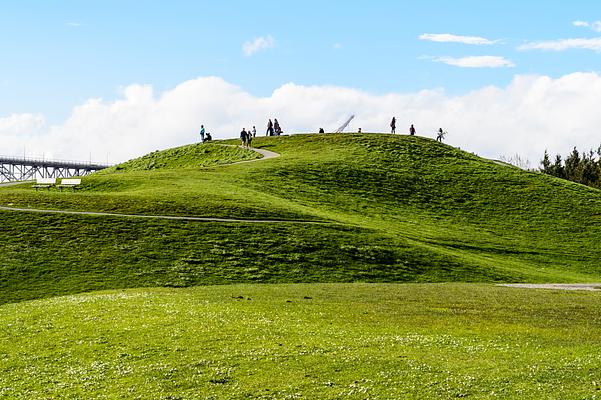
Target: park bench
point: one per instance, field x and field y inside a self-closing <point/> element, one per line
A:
<point x="69" y="183"/>
<point x="44" y="183"/>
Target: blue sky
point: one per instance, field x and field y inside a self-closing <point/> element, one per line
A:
<point x="119" y="78"/>
<point x="56" y="55"/>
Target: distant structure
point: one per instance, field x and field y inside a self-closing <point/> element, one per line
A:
<point x="15" y="169"/>
<point x="343" y="126"/>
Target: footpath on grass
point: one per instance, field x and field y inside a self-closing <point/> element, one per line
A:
<point x="266" y="156"/>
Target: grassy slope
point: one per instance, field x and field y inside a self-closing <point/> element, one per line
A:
<point x="403" y="209"/>
<point x="304" y="341"/>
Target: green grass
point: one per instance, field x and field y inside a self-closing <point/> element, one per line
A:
<point x="398" y="209"/>
<point x="317" y="341"/>
<point x="302" y="310"/>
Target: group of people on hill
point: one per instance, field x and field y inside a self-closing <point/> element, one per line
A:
<point x="246" y="137"/>
<point x="440" y="134"/>
<point x="274" y="128"/>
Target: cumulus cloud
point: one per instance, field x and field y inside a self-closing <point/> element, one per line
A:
<point x="564" y="44"/>
<point x="450" y="38"/>
<point x="477" y="62"/>
<point x="258" y="44"/>
<point x="531" y="114"/>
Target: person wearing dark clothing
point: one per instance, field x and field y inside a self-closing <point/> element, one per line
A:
<point x="208" y="138"/>
<point x="412" y="130"/>
<point x="249" y="138"/>
<point x="254" y="131"/>
<point x="440" y="135"/>
<point x="276" y="127"/>
<point x="269" y="128"/>
<point x="243" y="137"/>
<point x="393" y="125"/>
<point x="321" y="130"/>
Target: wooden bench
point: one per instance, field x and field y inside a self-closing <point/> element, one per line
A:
<point x="44" y="183"/>
<point x="69" y="183"/>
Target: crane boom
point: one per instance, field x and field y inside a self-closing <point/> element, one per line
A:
<point x="343" y="126"/>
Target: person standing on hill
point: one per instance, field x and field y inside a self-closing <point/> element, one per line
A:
<point x="440" y="135"/>
<point x="254" y="131"/>
<point x="393" y="125"/>
<point x="276" y="127"/>
<point x="249" y="139"/>
<point x="412" y="130"/>
<point x="269" y="128"/>
<point x="243" y="137"/>
<point x="202" y="133"/>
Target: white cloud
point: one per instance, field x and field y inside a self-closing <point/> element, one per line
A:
<point x="531" y="114"/>
<point x="564" y="44"/>
<point x="477" y="62"/>
<point x="450" y="38"/>
<point x="596" y="25"/>
<point x="260" y="43"/>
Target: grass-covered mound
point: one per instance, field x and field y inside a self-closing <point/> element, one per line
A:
<point x="397" y="209"/>
<point x="184" y="157"/>
<point x="304" y="341"/>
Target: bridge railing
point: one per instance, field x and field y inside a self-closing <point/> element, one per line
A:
<point x="45" y="161"/>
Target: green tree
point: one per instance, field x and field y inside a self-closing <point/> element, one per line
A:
<point x="546" y="163"/>
<point x="573" y="167"/>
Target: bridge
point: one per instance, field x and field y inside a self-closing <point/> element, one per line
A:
<point x="14" y="169"/>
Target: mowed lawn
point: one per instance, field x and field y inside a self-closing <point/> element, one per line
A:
<point x="310" y="341"/>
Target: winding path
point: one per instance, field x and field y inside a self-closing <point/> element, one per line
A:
<point x="267" y="154"/>
<point x="555" y="286"/>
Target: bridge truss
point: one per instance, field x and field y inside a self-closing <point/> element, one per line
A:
<point x="14" y="169"/>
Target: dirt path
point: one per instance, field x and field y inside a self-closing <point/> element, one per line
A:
<point x="266" y="156"/>
<point x="169" y="217"/>
<point x="556" y="286"/>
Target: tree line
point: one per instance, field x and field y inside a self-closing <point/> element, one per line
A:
<point x="584" y="168"/>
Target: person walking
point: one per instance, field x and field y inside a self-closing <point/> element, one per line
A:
<point x="269" y="128"/>
<point x="393" y="125"/>
<point x="202" y="133"/>
<point x="440" y="135"/>
<point x="412" y="130"/>
<point x="254" y="131"/>
<point x="249" y="139"/>
<point x="243" y="137"/>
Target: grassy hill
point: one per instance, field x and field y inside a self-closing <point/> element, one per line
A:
<point x="393" y="209"/>
<point x="201" y="321"/>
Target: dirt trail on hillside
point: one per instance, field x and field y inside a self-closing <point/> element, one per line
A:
<point x="555" y="286"/>
<point x="266" y="156"/>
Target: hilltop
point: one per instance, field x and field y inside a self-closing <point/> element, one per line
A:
<point x="389" y="209"/>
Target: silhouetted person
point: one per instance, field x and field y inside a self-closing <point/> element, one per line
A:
<point x="243" y="137"/>
<point x="269" y="128"/>
<point x="440" y="135"/>
<point x="321" y="130"/>
<point x="208" y="138"/>
<point x="254" y="131"/>
<point x="393" y="125"/>
<point x="276" y="127"/>
<point x="412" y="130"/>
